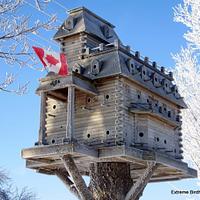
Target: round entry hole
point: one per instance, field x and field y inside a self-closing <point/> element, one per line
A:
<point x="54" y="106"/>
<point x="94" y="66"/>
<point x="53" y="141"/>
<point x="141" y="134"/>
<point x="107" y="96"/>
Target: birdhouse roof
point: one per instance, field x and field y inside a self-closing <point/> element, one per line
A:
<point x="83" y="20"/>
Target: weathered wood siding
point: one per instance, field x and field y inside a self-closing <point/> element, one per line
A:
<point x="91" y="41"/>
<point x="161" y="136"/>
<point x="145" y="131"/>
<point x="105" y="119"/>
<point x="56" y="118"/>
<point x="98" y="119"/>
<point x="72" y="47"/>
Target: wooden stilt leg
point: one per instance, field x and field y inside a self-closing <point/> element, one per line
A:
<point x="77" y="178"/>
<point x="63" y="176"/>
<point x="138" y="187"/>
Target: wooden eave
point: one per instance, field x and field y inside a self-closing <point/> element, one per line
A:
<point x="156" y="115"/>
<point x="50" y="84"/>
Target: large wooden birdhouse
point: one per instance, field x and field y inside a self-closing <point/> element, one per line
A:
<point x="114" y="105"/>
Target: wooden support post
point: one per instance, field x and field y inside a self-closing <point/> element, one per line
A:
<point x="63" y="176"/>
<point x="70" y="113"/>
<point x="73" y="171"/>
<point x="138" y="187"/>
<point x="42" y="118"/>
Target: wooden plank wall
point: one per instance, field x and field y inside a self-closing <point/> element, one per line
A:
<point x="161" y="136"/>
<point x="56" y="118"/>
<point x="105" y="120"/>
<point x="72" y="47"/>
<point x="148" y="131"/>
<point x="98" y="119"/>
<point x="91" y="41"/>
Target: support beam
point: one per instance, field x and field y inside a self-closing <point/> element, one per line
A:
<point x="77" y="178"/>
<point x="42" y="118"/>
<point x="63" y="176"/>
<point x="138" y="187"/>
<point x="58" y="96"/>
<point x="52" y="151"/>
<point x="70" y="113"/>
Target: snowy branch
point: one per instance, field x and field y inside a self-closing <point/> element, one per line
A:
<point x="187" y="76"/>
<point x="15" y="32"/>
<point x="189" y="15"/>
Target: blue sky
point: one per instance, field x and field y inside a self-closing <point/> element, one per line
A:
<point x="146" y="26"/>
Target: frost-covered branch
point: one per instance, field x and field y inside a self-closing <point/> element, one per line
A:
<point x="189" y="15"/>
<point x="187" y="76"/>
<point x="9" y="80"/>
<point x="15" y="31"/>
<point x="8" y="5"/>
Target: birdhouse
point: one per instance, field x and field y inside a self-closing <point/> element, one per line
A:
<point x="113" y="105"/>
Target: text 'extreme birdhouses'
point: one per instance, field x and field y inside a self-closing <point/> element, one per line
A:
<point x="114" y="106"/>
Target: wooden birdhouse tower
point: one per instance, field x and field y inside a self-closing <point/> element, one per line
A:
<point x="115" y="110"/>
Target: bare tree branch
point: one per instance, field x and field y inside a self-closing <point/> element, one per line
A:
<point x="8" y="192"/>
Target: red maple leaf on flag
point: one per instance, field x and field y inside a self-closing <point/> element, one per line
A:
<point x="51" y="60"/>
<point x="54" y="62"/>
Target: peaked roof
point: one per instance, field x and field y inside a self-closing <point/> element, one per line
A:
<point x="83" y="20"/>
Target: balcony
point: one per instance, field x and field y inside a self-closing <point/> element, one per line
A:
<point x="155" y="111"/>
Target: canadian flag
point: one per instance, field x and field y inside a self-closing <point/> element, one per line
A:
<point x="54" y="62"/>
